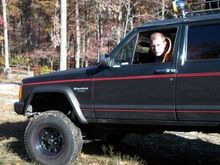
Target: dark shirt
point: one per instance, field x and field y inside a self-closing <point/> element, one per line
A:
<point x="158" y="59"/>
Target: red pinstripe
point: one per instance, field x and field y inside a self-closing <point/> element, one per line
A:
<point x="153" y="110"/>
<point x="128" y="78"/>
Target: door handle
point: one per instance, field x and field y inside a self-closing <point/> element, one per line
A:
<point x="165" y="71"/>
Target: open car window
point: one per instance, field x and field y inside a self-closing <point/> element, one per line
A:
<point x="143" y="53"/>
<point x="137" y="49"/>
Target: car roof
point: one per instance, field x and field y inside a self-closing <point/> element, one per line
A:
<point x="181" y="20"/>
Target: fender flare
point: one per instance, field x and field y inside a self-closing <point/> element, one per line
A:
<point x="59" y="89"/>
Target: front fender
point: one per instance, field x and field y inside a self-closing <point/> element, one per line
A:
<point x="59" y="89"/>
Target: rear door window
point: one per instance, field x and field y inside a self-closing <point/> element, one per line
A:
<point x="203" y="42"/>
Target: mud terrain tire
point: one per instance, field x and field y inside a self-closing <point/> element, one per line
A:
<point x="51" y="138"/>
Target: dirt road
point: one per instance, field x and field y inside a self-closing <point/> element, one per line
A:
<point x="8" y="95"/>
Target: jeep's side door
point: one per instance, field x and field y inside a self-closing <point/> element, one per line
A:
<point x="198" y="79"/>
<point x="138" y="93"/>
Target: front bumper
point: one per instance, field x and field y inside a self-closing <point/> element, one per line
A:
<point x="19" y="107"/>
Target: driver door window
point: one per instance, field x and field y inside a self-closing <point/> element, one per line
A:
<point x="143" y="53"/>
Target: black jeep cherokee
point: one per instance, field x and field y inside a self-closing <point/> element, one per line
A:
<point x="125" y="91"/>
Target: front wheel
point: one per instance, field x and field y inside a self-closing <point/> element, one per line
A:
<point x="51" y="138"/>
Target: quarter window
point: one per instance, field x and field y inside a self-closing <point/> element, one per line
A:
<point x="203" y="42"/>
<point x="124" y="55"/>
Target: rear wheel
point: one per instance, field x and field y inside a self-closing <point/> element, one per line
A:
<point x="51" y="138"/>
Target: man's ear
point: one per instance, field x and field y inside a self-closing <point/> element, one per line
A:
<point x="165" y="42"/>
<point x="168" y="42"/>
<point x="168" y="55"/>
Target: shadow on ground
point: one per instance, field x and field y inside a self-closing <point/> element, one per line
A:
<point x="14" y="132"/>
<point x="163" y="149"/>
<point x="154" y="149"/>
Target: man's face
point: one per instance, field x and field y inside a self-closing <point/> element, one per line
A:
<point x="158" y="46"/>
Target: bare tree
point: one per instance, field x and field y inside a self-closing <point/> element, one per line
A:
<point x="63" y="45"/>
<point x="4" y="8"/>
<point x="55" y="30"/>
<point x="77" y="58"/>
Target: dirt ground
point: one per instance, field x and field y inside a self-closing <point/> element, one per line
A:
<point x="166" y="148"/>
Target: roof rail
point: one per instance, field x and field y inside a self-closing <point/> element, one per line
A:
<point x="187" y="8"/>
<point x="205" y="7"/>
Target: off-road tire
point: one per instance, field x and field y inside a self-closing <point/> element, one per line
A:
<point x="51" y="138"/>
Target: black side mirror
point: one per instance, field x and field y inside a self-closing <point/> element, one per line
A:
<point x="104" y="60"/>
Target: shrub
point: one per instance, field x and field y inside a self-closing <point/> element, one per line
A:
<point x="2" y="61"/>
<point x="44" y="70"/>
<point x="19" y="60"/>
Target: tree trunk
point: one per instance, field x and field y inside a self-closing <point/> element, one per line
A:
<point x="128" y="14"/>
<point x="120" y="14"/>
<point x="77" y="34"/>
<point x="98" y="27"/>
<point x="83" y="49"/>
<point x="163" y="10"/>
<point x="63" y="45"/>
<point x="4" y="8"/>
<point x="84" y="36"/>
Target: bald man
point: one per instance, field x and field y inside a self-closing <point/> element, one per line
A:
<point x="158" y="45"/>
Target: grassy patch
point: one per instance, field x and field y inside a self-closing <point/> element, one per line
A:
<point x="109" y="157"/>
<point x="8" y="155"/>
<point x="12" y="150"/>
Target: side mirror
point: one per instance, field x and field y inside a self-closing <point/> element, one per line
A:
<point x="104" y="60"/>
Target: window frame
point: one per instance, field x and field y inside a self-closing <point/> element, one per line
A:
<point x="136" y="32"/>
<point x="163" y="29"/>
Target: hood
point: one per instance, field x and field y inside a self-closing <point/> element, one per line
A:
<point x="64" y="75"/>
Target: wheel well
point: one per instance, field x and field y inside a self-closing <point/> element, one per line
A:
<point x="51" y="101"/>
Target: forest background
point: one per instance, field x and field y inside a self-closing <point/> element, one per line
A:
<point x="94" y="27"/>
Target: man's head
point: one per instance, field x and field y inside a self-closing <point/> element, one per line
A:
<point x="158" y="43"/>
